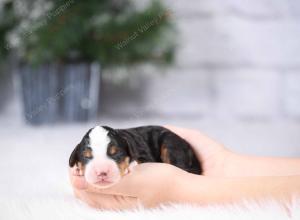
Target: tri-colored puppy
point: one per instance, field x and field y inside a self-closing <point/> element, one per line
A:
<point x="104" y="154"/>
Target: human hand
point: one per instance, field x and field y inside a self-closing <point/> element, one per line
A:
<point x="214" y="157"/>
<point x="217" y="161"/>
<point x="152" y="184"/>
<point x="148" y="184"/>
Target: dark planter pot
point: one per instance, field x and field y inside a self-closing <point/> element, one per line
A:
<point x="5" y="83"/>
<point x="60" y="92"/>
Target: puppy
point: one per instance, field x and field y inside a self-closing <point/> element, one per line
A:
<point x="105" y="154"/>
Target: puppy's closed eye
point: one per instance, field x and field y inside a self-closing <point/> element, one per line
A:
<point x="113" y="150"/>
<point x="87" y="153"/>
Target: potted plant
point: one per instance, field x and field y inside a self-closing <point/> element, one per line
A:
<point x="64" y="48"/>
<point x="7" y="23"/>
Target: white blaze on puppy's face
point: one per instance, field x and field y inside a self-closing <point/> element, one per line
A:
<point x="101" y="170"/>
<point x="99" y="141"/>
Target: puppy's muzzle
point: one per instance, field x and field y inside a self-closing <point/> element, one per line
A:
<point x="102" y="173"/>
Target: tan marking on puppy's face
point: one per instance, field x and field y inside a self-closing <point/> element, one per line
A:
<point x="164" y="154"/>
<point x="112" y="150"/>
<point x="87" y="153"/>
<point x="123" y="166"/>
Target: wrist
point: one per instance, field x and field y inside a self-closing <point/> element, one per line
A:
<point x="237" y="165"/>
<point x="223" y="164"/>
<point x="232" y="165"/>
<point x="174" y="187"/>
<point x="189" y="188"/>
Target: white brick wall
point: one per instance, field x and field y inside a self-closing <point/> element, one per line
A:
<point x="247" y="53"/>
<point x="247" y="94"/>
<point x="180" y="92"/>
<point x="235" y="40"/>
<point x="237" y="59"/>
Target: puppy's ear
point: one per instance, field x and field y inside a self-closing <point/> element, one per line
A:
<point x="137" y="148"/>
<point x="129" y="146"/>
<point x="74" y="157"/>
<point x="111" y="131"/>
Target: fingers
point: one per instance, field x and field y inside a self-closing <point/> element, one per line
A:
<point x="190" y="135"/>
<point x="143" y="176"/>
<point x="77" y="181"/>
<point x="108" y="202"/>
<point x="195" y="138"/>
<point x="127" y="186"/>
<point x="122" y="188"/>
<point x="94" y="198"/>
<point x="185" y="133"/>
<point x="142" y="185"/>
<point x="182" y="132"/>
<point x="132" y="184"/>
<point x="206" y="149"/>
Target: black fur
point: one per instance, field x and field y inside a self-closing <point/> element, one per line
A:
<point x="145" y="144"/>
<point x="77" y="154"/>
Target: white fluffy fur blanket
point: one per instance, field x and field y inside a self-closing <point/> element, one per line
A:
<point x="65" y="207"/>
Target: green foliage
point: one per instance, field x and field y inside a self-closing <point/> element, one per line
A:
<point x="109" y="31"/>
<point x="7" y="23"/>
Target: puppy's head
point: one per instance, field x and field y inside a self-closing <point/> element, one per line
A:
<point x="102" y="157"/>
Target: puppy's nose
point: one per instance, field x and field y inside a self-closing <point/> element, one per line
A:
<point x="102" y="174"/>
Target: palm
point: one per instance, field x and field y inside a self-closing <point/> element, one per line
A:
<point x="211" y="154"/>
